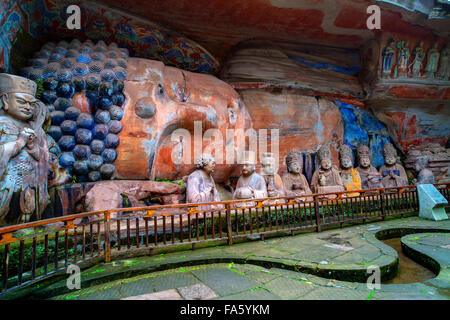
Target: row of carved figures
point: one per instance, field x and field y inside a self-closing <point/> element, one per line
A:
<point x="410" y="64"/>
<point x="326" y="179"/>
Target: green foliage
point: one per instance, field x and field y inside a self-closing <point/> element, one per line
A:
<point x="14" y="256"/>
<point x="180" y="183"/>
<point x="40" y="88"/>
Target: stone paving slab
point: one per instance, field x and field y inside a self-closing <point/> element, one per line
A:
<point x="197" y="291"/>
<point x="284" y="285"/>
<point x="225" y="281"/>
<point x="161" y="295"/>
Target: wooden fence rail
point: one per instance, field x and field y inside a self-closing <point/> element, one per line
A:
<point x="37" y="250"/>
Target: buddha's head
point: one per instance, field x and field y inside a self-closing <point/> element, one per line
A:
<point x="17" y="97"/>
<point x="294" y="162"/>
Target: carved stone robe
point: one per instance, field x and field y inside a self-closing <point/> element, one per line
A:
<point x="196" y="192"/>
<point x="256" y="182"/>
<point x="275" y="183"/>
<point x="333" y="181"/>
<point x="275" y="188"/>
<point x="400" y="179"/>
<point x="370" y="178"/>
<point x="23" y="173"/>
<point x="290" y="180"/>
<point x="351" y="181"/>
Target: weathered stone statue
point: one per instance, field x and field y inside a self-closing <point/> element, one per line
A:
<point x="327" y="178"/>
<point x="370" y="177"/>
<point x="444" y="66"/>
<point x="24" y="159"/>
<point x="200" y="184"/>
<point x="393" y="173"/>
<point x="432" y="61"/>
<point x="295" y="182"/>
<point x="419" y="55"/>
<point x="403" y="58"/>
<point x="388" y="57"/>
<point x="425" y="175"/>
<point x="275" y="187"/>
<point x="350" y="176"/>
<point x="250" y="184"/>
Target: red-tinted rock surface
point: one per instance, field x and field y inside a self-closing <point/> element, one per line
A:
<point x="161" y="99"/>
<point x="108" y="194"/>
<point x="304" y="123"/>
<point x="414" y="123"/>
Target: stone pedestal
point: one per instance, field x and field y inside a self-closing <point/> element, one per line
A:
<point x="431" y="203"/>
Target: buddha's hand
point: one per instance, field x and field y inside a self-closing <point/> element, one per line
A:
<point x="28" y="136"/>
<point x="209" y="188"/>
<point x="297" y="186"/>
<point x="322" y="180"/>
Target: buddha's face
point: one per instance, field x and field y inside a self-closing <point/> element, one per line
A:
<point x="268" y="166"/>
<point x="346" y="162"/>
<point x="325" y="164"/>
<point x="364" y="162"/>
<point x="20" y="106"/>
<point x="209" y="168"/>
<point x="390" y="160"/>
<point x="248" y="168"/>
<point x="295" y="167"/>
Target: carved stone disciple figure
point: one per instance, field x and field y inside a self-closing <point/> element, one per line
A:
<point x="419" y="55"/>
<point x="388" y="57"/>
<point x="250" y="184"/>
<point x="403" y="58"/>
<point x="295" y="182"/>
<point x="326" y="179"/>
<point x="432" y="62"/>
<point x="370" y="177"/>
<point x="424" y="175"/>
<point x="275" y="187"/>
<point x="350" y="176"/>
<point x="444" y="65"/>
<point x="24" y="159"/>
<point x="200" y="184"/>
<point x="394" y="175"/>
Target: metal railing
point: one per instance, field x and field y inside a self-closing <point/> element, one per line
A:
<point x="37" y="250"/>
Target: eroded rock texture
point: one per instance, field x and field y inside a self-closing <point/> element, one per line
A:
<point x="413" y="123"/>
<point x="303" y="122"/>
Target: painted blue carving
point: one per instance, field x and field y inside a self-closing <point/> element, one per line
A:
<point x="361" y="126"/>
<point x="328" y="66"/>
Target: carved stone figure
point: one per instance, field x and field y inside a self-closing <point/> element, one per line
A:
<point x="370" y="177"/>
<point x="350" y="176"/>
<point x="444" y="66"/>
<point x="250" y="184"/>
<point x="432" y="61"/>
<point x="24" y="159"/>
<point x="295" y="182"/>
<point x="419" y="55"/>
<point x="200" y="184"/>
<point x="424" y="175"/>
<point x="275" y="187"/>
<point x="388" y="57"/>
<point x="327" y="178"/>
<point x="403" y="58"/>
<point x="393" y="173"/>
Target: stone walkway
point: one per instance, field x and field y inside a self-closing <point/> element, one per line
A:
<point x="303" y="266"/>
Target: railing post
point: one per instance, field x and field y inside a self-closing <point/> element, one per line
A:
<point x="316" y="211"/>
<point x="229" y="231"/>
<point x="383" y="208"/>
<point x="107" y="238"/>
